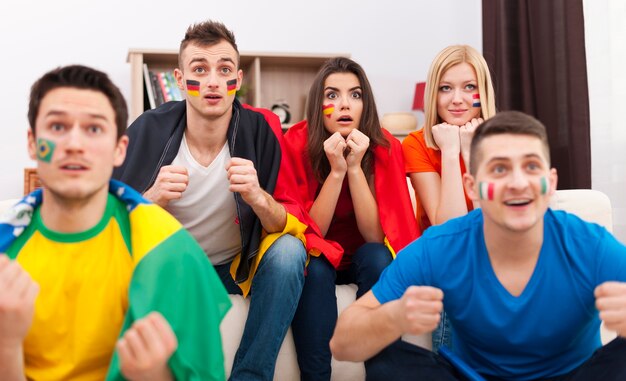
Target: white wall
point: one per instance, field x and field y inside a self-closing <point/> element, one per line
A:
<point x="393" y="41"/>
<point x="605" y="35"/>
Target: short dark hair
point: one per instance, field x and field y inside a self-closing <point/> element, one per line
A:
<point x="317" y="133"/>
<point x="79" y="77"/>
<point x="507" y="122"/>
<point x="207" y="33"/>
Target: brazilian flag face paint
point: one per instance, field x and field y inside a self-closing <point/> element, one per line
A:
<point x="45" y="150"/>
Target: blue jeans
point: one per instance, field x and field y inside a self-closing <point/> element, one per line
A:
<point x="442" y="335"/>
<point x="276" y="288"/>
<point x="316" y="316"/>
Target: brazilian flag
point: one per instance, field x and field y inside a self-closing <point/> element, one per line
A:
<point x="45" y="149"/>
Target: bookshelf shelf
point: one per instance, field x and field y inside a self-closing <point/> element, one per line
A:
<point x="269" y="77"/>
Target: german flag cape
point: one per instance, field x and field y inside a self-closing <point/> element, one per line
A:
<point x="171" y="275"/>
<point x="392" y="195"/>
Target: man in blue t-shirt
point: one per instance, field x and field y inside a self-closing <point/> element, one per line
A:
<point x="525" y="287"/>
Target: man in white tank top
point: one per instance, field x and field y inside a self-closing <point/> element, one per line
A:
<point x="218" y="167"/>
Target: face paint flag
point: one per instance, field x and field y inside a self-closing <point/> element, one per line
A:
<point x="544" y="185"/>
<point x="476" y="100"/>
<point x="231" y="86"/>
<point x="45" y="150"/>
<point x="193" y="88"/>
<point x="486" y="190"/>
<point x="328" y="109"/>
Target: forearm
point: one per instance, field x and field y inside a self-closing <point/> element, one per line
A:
<point x="452" y="197"/>
<point x="12" y="363"/>
<point x="324" y="206"/>
<point x="365" y="207"/>
<point x="362" y="332"/>
<point x="272" y="214"/>
<point x="465" y="154"/>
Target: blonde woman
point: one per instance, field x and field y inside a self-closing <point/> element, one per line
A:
<point x="458" y="97"/>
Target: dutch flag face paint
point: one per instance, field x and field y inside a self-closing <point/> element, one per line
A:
<point x="476" y="100"/>
<point x="193" y="87"/>
<point x="543" y="182"/>
<point x="486" y="190"/>
<point x="231" y="86"/>
<point x="328" y="109"/>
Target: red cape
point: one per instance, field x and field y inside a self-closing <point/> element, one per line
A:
<point x="392" y="195"/>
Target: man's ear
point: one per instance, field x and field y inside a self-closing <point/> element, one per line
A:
<point x="469" y="183"/>
<point x="32" y="145"/>
<point x="120" y="151"/>
<point x="178" y="74"/>
<point x="239" y="78"/>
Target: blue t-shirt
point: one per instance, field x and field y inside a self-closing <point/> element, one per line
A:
<point x="548" y="330"/>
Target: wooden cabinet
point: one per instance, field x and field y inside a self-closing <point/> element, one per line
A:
<point x="269" y="77"/>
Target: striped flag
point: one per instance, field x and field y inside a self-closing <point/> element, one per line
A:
<point x="476" y="100"/>
<point x="231" y="86"/>
<point x="486" y="190"/>
<point x="328" y="109"/>
<point x="193" y="87"/>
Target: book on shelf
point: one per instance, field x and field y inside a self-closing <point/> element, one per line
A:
<point x="163" y="84"/>
<point x="147" y="81"/>
<point x="173" y="86"/>
<point x="158" y="94"/>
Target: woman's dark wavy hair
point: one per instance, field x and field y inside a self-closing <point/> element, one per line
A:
<point x="370" y="124"/>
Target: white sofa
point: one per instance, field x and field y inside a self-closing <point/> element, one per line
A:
<point x="593" y="206"/>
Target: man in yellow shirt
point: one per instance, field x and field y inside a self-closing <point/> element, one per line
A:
<point x="87" y="257"/>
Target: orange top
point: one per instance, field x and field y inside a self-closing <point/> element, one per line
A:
<point x="419" y="158"/>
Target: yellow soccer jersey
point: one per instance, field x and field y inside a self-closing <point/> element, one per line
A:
<point x="83" y="298"/>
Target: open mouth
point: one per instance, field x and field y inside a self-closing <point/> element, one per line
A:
<point x="211" y="96"/>
<point x="518" y="202"/>
<point x="344" y="118"/>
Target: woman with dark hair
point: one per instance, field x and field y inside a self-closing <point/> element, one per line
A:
<point x="350" y="174"/>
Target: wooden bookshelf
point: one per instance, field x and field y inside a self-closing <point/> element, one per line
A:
<point x="270" y="77"/>
<point x="31" y="180"/>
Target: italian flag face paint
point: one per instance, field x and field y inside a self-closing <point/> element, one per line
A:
<point x="231" y="86"/>
<point x="328" y="109"/>
<point x="45" y="150"/>
<point x="486" y="190"/>
<point x="543" y="182"/>
<point x="193" y="87"/>
<point x="476" y="100"/>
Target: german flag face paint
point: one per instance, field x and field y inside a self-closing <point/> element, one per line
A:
<point x="543" y="183"/>
<point x="45" y="150"/>
<point x="193" y="87"/>
<point x="486" y="190"/>
<point x="476" y="100"/>
<point x="231" y="86"/>
<point x="328" y="109"/>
